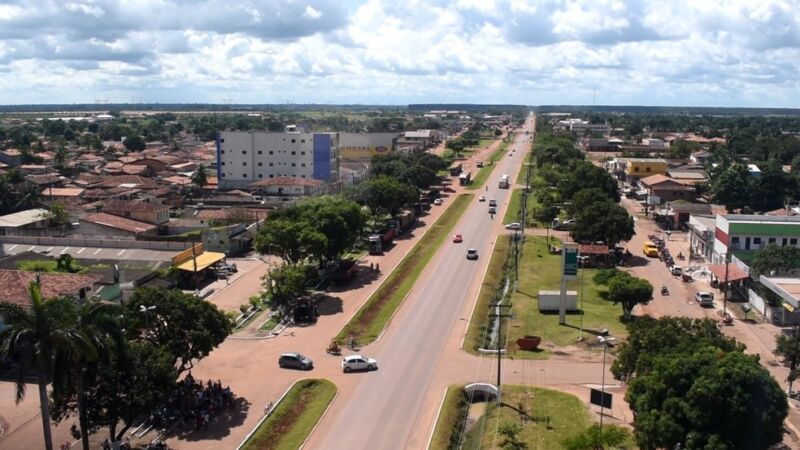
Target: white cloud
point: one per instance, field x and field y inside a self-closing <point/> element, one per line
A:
<point x="385" y="51"/>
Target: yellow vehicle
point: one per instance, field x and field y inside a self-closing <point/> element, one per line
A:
<point x="650" y="249"/>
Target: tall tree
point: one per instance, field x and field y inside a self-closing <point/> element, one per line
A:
<point x="780" y="260"/>
<point x="731" y="187"/>
<point x="185" y="326"/>
<point x="284" y="283"/>
<point x="629" y="291"/>
<point x="603" y="221"/>
<point x="100" y="332"/>
<point x="788" y="346"/>
<point x="36" y="336"/>
<point x="386" y="195"/>
<point x="199" y="177"/>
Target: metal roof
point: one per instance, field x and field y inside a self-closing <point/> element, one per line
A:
<point x="22" y="218"/>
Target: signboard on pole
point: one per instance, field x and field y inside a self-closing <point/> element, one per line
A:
<point x="600" y="398"/>
<point x="570" y="261"/>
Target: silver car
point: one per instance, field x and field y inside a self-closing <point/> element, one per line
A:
<point x="358" y="362"/>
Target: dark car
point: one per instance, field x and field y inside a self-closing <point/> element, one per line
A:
<point x="295" y="361"/>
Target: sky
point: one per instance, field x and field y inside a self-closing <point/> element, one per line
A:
<point x="533" y="52"/>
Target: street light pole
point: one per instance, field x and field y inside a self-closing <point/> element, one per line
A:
<point x="725" y="286"/>
<point x="605" y="340"/>
<point x="499" y="314"/>
<point x="146" y="310"/>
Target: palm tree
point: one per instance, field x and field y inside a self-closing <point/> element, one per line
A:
<point x="35" y="335"/>
<point x="99" y="334"/>
<point x="60" y="157"/>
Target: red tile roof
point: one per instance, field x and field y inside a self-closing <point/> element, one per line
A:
<point x="120" y="223"/>
<point x="15" y="285"/>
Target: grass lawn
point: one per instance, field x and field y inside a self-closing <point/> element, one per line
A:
<point x="451" y="417"/>
<point x="294" y="417"/>
<point x="488" y="167"/>
<point x="270" y="324"/>
<point x="491" y="284"/>
<point x="514" y="205"/>
<point x="539" y="270"/>
<point x="371" y="319"/>
<point x="547" y="417"/>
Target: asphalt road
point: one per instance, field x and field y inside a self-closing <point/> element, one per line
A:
<point x="382" y="410"/>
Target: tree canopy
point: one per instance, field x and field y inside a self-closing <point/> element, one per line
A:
<point x="629" y="291"/>
<point x="782" y="260"/>
<point x="185" y="326"/>
<point x="603" y="221"/>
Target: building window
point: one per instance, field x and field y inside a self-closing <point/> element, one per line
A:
<point x="303" y="176"/>
<point x="771" y="241"/>
<point x="260" y="164"/>
<point x="260" y="175"/>
<point x="271" y="176"/>
<point x="294" y="165"/>
<point x="647" y="169"/>
<point x="222" y="139"/>
<point x="294" y="152"/>
<point x="735" y="242"/>
<point x="271" y="152"/>
<point x="222" y="151"/>
<point x="784" y="242"/>
<point x="223" y="163"/>
<point x="793" y="241"/>
<point x="270" y="164"/>
<point x="244" y="175"/>
<point x="635" y="169"/>
<point x="302" y="141"/>
<point x="244" y="163"/>
<point x="222" y="175"/>
<point x="302" y="153"/>
<point x="260" y="152"/>
<point x="302" y="164"/>
<point x="244" y="152"/>
<point x="294" y="140"/>
<point x="757" y="241"/>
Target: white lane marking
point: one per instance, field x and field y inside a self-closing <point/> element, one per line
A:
<point x="32" y="247"/>
<point x="49" y="250"/>
<point x="81" y="251"/>
<point x="12" y="247"/>
<point x="65" y="250"/>
<point x="98" y="251"/>
<point x="121" y="252"/>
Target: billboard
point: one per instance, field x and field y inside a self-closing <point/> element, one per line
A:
<point x="570" y="261"/>
<point x="600" y="398"/>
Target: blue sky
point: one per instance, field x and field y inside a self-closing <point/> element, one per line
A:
<point x="699" y="52"/>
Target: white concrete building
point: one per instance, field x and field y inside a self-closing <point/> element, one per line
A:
<point x="246" y="157"/>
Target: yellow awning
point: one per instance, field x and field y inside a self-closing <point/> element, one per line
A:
<point x="202" y="261"/>
<point x="788" y="307"/>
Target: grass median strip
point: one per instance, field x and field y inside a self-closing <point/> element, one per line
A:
<point x="491" y="283"/>
<point x="294" y="417"/>
<point x="451" y="417"/>
<point x="488" y="167"/>
<point x="376" y="312"/>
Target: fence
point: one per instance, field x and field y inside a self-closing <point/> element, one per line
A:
<point x="89" y="242"/>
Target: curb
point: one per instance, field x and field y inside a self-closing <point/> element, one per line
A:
<point x="324" y="413"/>
<point x="438" y="413"/>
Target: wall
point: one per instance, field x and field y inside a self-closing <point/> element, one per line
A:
<point x="240" y="154"/>
<point x="95" y="242"/>
<point x="363" y="146"/>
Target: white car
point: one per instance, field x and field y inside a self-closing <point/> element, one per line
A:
<point x="513" y="226"/>
<point x="482" y="198"/>
<point x="358" y="362"/>
<point x="704" y="298"/>
<point x="438" y="201"/>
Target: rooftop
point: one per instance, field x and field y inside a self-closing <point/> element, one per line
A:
<point x="16" y="282"/>
<point x="22" y="218"/>
<point x="758" y="218"/>
<point x="63" y="192"/>
<point x="128" y="205"/>
<point x="120" y="223"/>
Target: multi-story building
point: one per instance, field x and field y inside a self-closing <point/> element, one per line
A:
<point x="247" y="157"/>
<point x="582" y="127"/>
<point x="743" y="234"/>
<point x="637" y="168"/>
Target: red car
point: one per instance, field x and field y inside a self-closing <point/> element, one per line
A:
<point x="457" y="238"/>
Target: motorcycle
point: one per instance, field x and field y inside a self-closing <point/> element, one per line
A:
<point x="334" y="349"/>
<point x="664" y="290"/>
<point x="727" y="319"/>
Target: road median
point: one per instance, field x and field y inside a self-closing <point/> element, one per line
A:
<point x="294" y="417"/>
<point x="371" y="319"/>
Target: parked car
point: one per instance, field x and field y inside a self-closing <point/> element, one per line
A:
<point x="650" y="250"/>
<point x="457" y="238"/>
<point x="676" y="270"/>
<point x="513" y="226"/>
<point x="704" y="298"/>
<point x="358" y="362"/>
<point x="492" y="210"/>
<point x="479" y="163"/>
<point x="472" y="253"/>
<point x="438" y="201"/>
<point x="482" y="198"/>
<point x="294" y="360"/>
<point x="492" y="202"/>
<point x="563" y="225"/>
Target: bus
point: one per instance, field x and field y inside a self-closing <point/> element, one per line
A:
<point x="464" y="178"/>
<point x="455" y="169"/>
<point x="503" y="182"/>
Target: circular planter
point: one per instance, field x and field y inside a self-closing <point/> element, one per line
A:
<point x="529" y="342"/>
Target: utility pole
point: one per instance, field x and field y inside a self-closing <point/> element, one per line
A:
<point x="606" y="340"/>
<point x="725" y="286"/>
<point x="498" y="307"/>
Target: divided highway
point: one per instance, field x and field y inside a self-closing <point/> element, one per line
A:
<point x="382" y="411"/>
